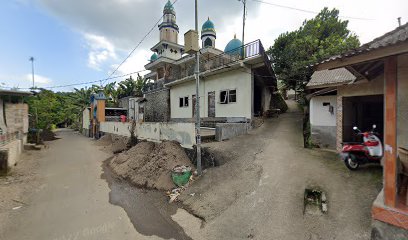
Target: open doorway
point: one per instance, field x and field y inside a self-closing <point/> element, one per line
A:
<point x="362" y="112"/>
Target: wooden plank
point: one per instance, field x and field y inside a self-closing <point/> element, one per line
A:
<point x="371" y="55"/>
<point x="390" y="153"/>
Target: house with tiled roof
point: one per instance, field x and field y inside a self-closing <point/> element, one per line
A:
<point x="381" y="70"/>
<point x="323" y="104"/>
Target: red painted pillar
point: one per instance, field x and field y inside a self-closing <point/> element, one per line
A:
<point x="390" y="153"/>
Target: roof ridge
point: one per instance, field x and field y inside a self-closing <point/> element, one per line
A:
<point x="383" y="36"/>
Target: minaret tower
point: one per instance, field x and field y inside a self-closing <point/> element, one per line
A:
<point x="208" y="34"/>
<point x="168" y="28"/>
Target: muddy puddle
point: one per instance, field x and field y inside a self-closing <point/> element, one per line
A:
<point x="148" y="211"/>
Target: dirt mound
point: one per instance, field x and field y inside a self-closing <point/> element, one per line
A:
<point x="47" y="135"/>
<point x="149" y="164"/>
<point x="105" y="140"/>
<point x="119" y="144"/>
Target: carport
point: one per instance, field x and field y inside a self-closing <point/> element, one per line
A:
<point x="362" y="112"/>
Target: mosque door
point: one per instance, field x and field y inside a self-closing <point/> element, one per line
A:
<point x="211" y="104"/>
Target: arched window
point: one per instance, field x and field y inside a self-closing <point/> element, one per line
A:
<point x="208" y="43"/>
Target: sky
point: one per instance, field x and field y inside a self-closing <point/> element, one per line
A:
<point x="77" y="41"/>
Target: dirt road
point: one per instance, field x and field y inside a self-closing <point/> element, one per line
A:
<point x="258" y="194"/>
<point x="71" y="200"/>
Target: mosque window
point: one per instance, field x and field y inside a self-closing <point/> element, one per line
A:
<point x="208" y="42"/>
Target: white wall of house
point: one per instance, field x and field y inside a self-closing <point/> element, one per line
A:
<point x="237" y="79"/>
<point x="402" y="107"/>
<point x="320" y="114"/>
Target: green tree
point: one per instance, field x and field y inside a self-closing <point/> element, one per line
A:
<point x="317" y="38"/>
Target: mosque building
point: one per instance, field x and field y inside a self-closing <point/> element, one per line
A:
<point x="235" y="84"/>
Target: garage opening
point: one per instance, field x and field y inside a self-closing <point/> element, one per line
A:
<point x="362" y="112"/>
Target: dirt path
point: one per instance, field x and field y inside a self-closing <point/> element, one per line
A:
<point x="259" y="194"/>
<point x="71" y="201"/>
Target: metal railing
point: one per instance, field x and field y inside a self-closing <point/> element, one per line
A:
<point x="249" y="50"/>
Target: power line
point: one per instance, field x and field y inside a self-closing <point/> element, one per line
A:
<point x="140" y="42"/>
<point x="77" y="84"/>
<point x="116" y="69"/>
<point x="104" y="80"/>
<point x="306" y="11"/>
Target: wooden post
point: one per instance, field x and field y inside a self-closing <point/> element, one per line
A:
<point x="390" y="146"/>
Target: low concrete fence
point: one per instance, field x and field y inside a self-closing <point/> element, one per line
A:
<point x="225" y="131"/>
<point x="155" y="132"/>
<point x="118" y="128"/>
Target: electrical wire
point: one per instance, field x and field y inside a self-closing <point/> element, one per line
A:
<point x="106" y="79"/>
<point x="77" y="84"/>
<point x="102" y="81"/>
<point x="140" y="42"/>
<point x="308" y="11"/>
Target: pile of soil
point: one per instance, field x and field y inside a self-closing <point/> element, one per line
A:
<point x="119" y="144"/>
<point x="105" y="140"/>
<point x="149" y="164"/>
<point x="47" y="135"/>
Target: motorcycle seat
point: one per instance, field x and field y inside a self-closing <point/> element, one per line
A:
<point x="351" y="143"/>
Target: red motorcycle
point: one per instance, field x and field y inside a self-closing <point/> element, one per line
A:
<point x="370" y="150"/>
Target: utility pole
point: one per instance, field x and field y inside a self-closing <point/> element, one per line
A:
<point x="32" y="69"/>
<point x="399" y="21"/>
<point x="243" y="22"/>
<point x="198" y="120"/>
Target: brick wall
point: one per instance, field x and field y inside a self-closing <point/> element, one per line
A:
<point x="16" y="117"/>
<point x="157" y="106"/>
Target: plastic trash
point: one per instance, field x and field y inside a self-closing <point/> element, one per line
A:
<point x="181" y="175"/>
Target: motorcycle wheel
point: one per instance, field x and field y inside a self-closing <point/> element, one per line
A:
<point x="350" y="162"/>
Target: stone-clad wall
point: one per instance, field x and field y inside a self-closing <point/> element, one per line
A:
<point x="157" y="106"/>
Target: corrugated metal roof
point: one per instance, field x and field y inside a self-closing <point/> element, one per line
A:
<point x="400" y="34"/>
<point x="330" y="77"/>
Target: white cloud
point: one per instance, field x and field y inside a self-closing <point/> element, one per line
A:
<point x="38" y="79"/>
<point x="134" y="63"/>
<point x="100" y="50"/>
<point x="113" y="27"/>
<point x="24" y="81"/>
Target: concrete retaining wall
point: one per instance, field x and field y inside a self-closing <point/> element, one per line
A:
<point x="324" y="136"/>
<point x="14" y="149"/>
<point x="155" y="132"/>
<point x="225" y="131"/>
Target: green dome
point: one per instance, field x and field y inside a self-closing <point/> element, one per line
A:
<point x="234" y="44"/>
<point x="154" y="57"/>
<point x="168" y="6"/>
<point x="208" y="25"/>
